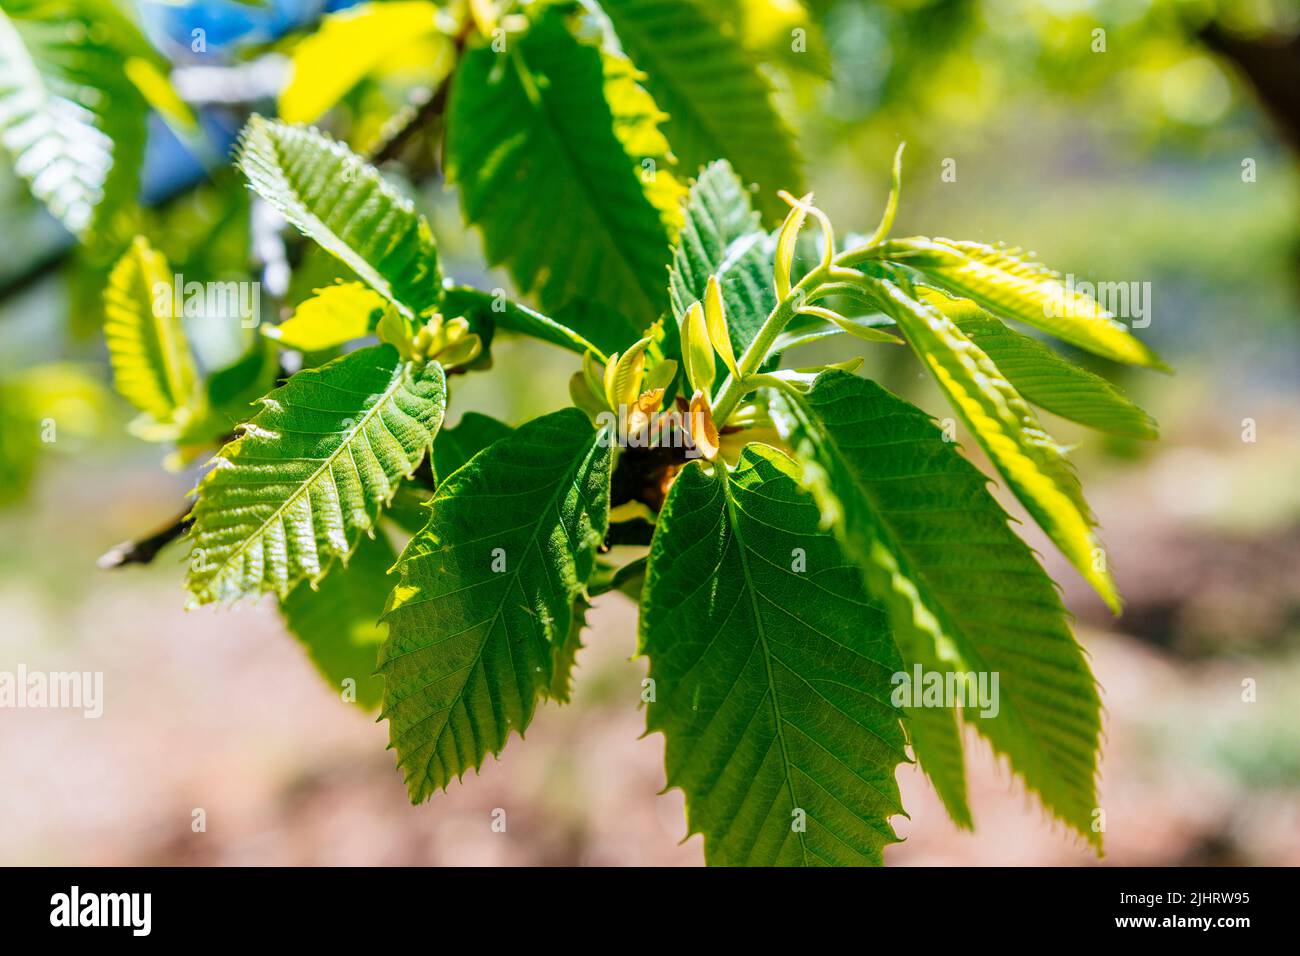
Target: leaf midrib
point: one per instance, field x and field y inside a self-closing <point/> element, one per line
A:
<point x="495" y="619"/>
<point x="751" y="590"/>
<point x="969" y="652"/>
<point x="616" y="236"/>
<point x="305" y="485"/>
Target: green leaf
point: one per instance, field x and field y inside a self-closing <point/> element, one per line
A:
<point x="334" y="316"/>
<point x="517" y="317"/>
<point x="1011" y="285"/>
<point x="717" y="100"/>
<point x="963" y="593"/>
<point x="337" y="620"/>
<point x="1046" y="379"/>
<point x="311" y="472"/>
<point x="152" y="365"/>
<point x="471" y="435"/>
<point x="335" y="198"/>
<point x="73" y="122"/>
<point x="531" y="143"/>
<point x="1007" y="429"/>
<point x="935" y="736"/>
<point x="721" y="236"/>
<point x="772" y="673"/>
<point x="345" y="49"/>
<point x="485" y="601"/>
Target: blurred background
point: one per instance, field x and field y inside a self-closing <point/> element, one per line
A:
<point x="1161" y="150"/>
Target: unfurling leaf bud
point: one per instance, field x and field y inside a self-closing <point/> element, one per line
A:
<point x="623" y="375"/>
<point x="715" y="319"/>
<point x="786" y="240"/>
<point x="704" y="433"/>
<point x="697" y="350"/>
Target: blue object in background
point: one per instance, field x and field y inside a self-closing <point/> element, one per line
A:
<point x="227" y="25"/>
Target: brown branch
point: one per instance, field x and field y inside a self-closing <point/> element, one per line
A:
<point x="144" y="550"/>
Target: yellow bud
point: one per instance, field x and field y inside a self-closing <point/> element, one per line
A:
<point x="643" y="409"/>
<point x="464" y="350"/>
<point x="583" y="397"/>
<point x="661" y="376"/>
<point x="625" y="386"/>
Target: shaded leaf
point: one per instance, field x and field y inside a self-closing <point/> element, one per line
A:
<point x="485" y="600"/>
<point x="772" y="679"/>
<point x="337" y="621"/>
<point x="718" y="102"/>
<point x="963" y="593"/>
<point x="531" y="144"/>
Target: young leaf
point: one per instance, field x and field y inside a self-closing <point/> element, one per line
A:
<point x="1008" y="431"/>
<point x="485" y="601"/>
<point x="334" y="316"/>
<point x="531" y="143"/>
<point x="72" y="120"/>
<point x="771" y="672"/>
<point x="1010" y="285"/>
<point x="721" y="236"/>
<point x="717" y="100"/>
<point x="337" y="621"/>
<point x="152" y="365"/>
<point x="346" y="48"/>
<point x="963" y="593"/>
<point x="311" y="472"/>
<point x="336" y="199"/>
<point x="1046" y="379"/>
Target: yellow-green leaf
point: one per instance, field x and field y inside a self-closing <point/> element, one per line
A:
<point x="1007" y="429"/>
<point x="346" y="48"/>
<point x="333" y="316"/>
<point x="1011" y="285"/>
<point x="152" y="365"/>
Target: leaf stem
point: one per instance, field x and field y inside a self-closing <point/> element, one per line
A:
<point x="734" y="388"/>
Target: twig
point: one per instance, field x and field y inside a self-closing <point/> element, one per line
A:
<point x="145" y="550"/>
